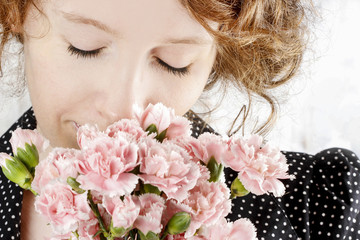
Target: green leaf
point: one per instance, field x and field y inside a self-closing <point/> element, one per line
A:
<point x="152" y="129"/>
<point x="149" y="236"/>
<point x="152" y="236"/>
<point x="75" y="185"/>
<point x="136" y="170"/>
<point x="178" y="223"/>
<point x="148" y="188"/>
<point x="215" y="170"/>
<point x="160" y="137"/>
<point x="142" y="236"/>
<point x="238" y="189"/>
<point x="117" y="231"/>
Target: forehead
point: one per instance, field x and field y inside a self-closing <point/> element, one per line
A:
<point x="154" y="19"/>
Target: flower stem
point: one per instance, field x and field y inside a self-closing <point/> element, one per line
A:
<point x="96" y="212"/>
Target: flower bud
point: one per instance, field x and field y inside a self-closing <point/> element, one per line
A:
<point x="215" y="169"/>
<point x="16" y="171"/>
<point x="22" y="136"/>
<point x="29" y="156"/>
<point x="153" y="129"/>
<point x="238" y="189"/>
<point x="179" y="223"/>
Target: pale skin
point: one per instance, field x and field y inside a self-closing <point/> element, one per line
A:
<point x="151" y="51"/>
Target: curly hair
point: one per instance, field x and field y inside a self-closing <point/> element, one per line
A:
<point x="12" y="17"/>
<point x="260" y="43"/>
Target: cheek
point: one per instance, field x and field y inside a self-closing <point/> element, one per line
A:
<point x="51" y="89"/>
<point x="184" y="93"/>
<point x="48" y="85"/>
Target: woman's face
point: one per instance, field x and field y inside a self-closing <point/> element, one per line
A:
<point x="93" y="59"/>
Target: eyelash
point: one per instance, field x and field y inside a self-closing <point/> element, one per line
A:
<point x="84" y="54"/>
<point x="180" y="72"/>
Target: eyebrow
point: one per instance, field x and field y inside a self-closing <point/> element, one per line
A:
<point x="89" y="21"/>
<point x="192" y="40"/>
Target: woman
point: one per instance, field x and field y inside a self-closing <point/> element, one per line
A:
<point x="89" y="61"/>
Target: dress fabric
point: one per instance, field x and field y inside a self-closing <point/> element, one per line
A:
<point x="322" y="202"/>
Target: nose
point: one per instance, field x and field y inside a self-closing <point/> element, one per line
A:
<point x="119" y="93"/>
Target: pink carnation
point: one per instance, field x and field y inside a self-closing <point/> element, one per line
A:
<point x="204" y="172"/>
<point x="260" y="168"/>
<point x="129" y="126"/>
<point x="151" y="210"/>
<point x="178" y="128"/>
<point x="97" y="197"/>
<point x="105" y="166"/>
<point x="185" y="142"/>
<point x="62" y="207"/>
<point x="209" y="145"/>
<point x="163" y="118"/>
<point x="123" y="212"/>
<point x="241" y="229"/>
<point x="87" y="229"/>
<point x="169" y="168"/>
<point x="87" y="133"/>
<point x="22" y="136"/>
<point x="58" y="164"/>
<point x="173" y="207"/>
<point x="241" y="152"/>
<point x="209" y="202"/>
<point x="156" y="114"/>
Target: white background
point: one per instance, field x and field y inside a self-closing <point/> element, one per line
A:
<point x="323" y="106"/>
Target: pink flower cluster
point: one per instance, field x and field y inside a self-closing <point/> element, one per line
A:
<point x="138" y="173"/>
<point x="259" y="167"/>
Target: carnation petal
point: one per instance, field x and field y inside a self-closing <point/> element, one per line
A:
<point x="242" y="229"/>
<point x="250" y="183"/>
<point x="124" y="184"/>
<point x="275" y="186"/>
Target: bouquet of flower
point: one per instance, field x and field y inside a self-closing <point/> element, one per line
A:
<point x="144" y="178"/>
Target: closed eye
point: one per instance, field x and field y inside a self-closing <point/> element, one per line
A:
<point x="82" y="53"/>
<point x="180" y="72"/>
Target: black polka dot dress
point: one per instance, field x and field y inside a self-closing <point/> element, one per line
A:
<point x="322" y="202"/>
